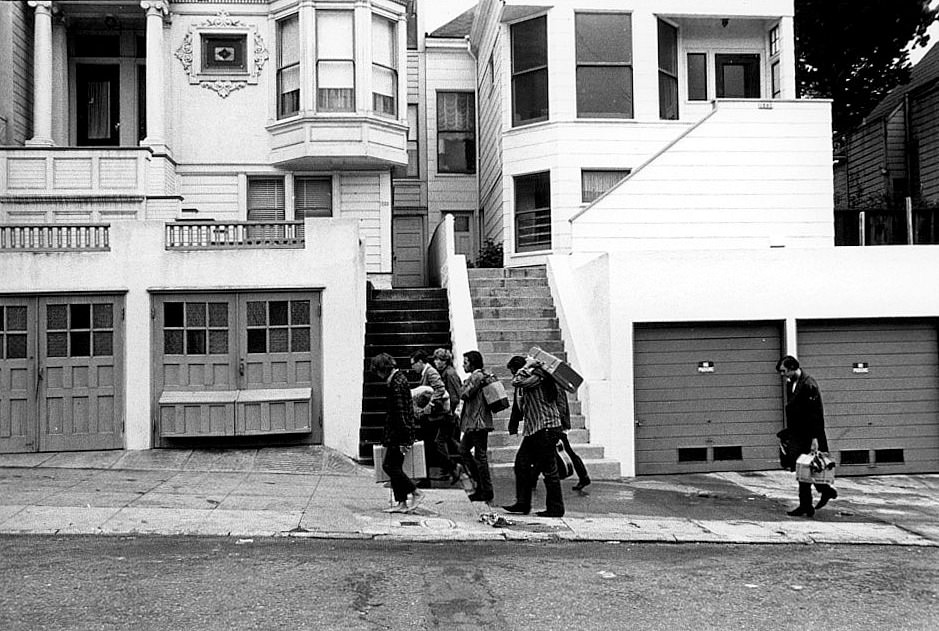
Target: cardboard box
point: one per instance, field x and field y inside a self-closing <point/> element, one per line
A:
<point x="560" y="370"/>
<point x="415" y="462"/>
<point x="805" y="474"/>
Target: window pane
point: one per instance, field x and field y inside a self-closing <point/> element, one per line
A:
<point x="16" y="346"/>
<point x="313" y="197"/>
<point x="776" y="81"/>
<point x="336" y="74"/>
<point x="300" y="340"/>
<point x="335" y="100"/>
<point x="104" y="343"/>
<point x="383" y="42"/>
<point x="288" y="51"/>
<point x="738" y="76"/>
<point x="334" y="35"/>
<point x="173" y="314"/>
<point x="530" y="96"/>
<point x="80" y="344"/>
<point x="57" y="344"/>
<point x="697" y="77"/>
<point x="532" y="191"/>
<point x="532" y="212"/>
<point x="195" y="342"/>
<point x="668" y="97"/>
<point x="103" y="316"/>
<point x="16" y="319"/>
<point x="218" y="314"/>
<point x="172" y="342"/>
<point x="595" y="183"/>
<point x="456" y="152"/>
<point x="278" y="340"/>
<point x="605" y="91"/>
<point x="603" y="37"/>
<point x="456" y="111"/>
<point x="56" y="317"/>
<point x="277" y="312"/>
<point x="299" y="312"/>
<point x="223" y="53"/>
<point x="257" y="341"/>
<point x="668" y="48"/>
<point x="257" y="313"/>
<point x="80" y="316"/>
<point x="195" y="314"/>
<point x="218" y="342"/>
<point x="529" y="44"/>
<point x="288" y="90"/>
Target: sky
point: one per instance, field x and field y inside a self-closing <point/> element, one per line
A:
<point x="917" y="54"/>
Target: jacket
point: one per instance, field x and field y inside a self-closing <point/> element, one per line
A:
<point x="399" y="416"/>
<point x="805" y="414"/>
<point x="476" y="414"/>
<point x="439" y="400"/>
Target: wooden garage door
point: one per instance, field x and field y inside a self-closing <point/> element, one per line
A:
<point x="707" y="397"/>
<point x="880" y="386"/>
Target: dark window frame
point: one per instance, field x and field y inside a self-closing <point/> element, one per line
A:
<point x="287" y="108"/>
<point x="381" y="102"/>
<point x="467" y="135"/>
<point x="751" y="63"/>
<point x="535" y="71"/>
<point x="239" y="63"/>
<point x="536" y="214"/>
<point x="668" y="76"/>
<point x="323" y="100"/>
<point x="582" y="66"/>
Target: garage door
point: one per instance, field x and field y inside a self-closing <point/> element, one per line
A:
<point x="707" y="397"/>
<point x="237" y="365"/>
<point x="61" y="373"/>
<point x="880" y="386"/>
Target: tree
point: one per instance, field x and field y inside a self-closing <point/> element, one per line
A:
<point x="854" y="52"/>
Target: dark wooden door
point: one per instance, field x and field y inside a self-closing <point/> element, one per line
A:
<point x="98" y="104"/>
<point x="409" y="247"/>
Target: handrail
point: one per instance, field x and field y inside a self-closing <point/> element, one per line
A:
<point x="231" y="235"/>
<point x="56" y="237"/>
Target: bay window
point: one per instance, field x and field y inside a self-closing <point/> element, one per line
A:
<point x="604" y="65"/>
<point x="288" y="67"/>
<point x="335" y="61"/>
<point x="384" y="66"/>
<point x="530" y="71"/>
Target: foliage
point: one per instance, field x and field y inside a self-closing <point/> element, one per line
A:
<point x="853" y="52"/>
<point x="490" y="255"/>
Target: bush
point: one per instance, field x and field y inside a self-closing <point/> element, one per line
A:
<point x="490" y="255"/>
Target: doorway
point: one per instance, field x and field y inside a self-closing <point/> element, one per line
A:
<point x="408" y="246"/>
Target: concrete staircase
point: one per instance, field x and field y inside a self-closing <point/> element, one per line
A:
<point x="398" y="322"/>
<point x="514" y="311"/>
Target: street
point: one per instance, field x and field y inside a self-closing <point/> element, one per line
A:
<point x="144" y="582"/>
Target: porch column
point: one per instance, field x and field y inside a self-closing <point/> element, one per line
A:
<point x="42" y="73"/>
<point x="787" y="58"/>
<point x="156" y="135"/>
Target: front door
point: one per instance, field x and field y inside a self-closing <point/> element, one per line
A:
<point x="463" y="235"/>
<point x="61" y="373"/>
<point x="98" y="104"/>
<point x="408" y="247"/>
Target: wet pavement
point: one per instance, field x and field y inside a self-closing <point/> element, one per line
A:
<point x="317" y="492"/>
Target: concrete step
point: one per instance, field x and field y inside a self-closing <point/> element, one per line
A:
<point x="485" y="313"/>
<point x="504" y="439"/>
<point x="510" y="283"/>
<point x="515" y="324"/>
<point x="431" y="339"/>
<point x="507" y="454"/>
<point x="518" y="347"/>
<point x="500" y="421"/>
<point x="400" y="315"/>
<point x="406" y="305"/>
<point x="503" y="292"/>
<point x="538" y="271"/>
<point x="598" y="469"/>
<point x="420" y="293"/>
<point x="409" y="327"/>
<point x="531" y="337"/>
<point x="514" y="302"/>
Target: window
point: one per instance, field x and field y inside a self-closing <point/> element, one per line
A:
<point x="384" y="67"/>
<point x="13" y="332"/>
<point x="668" y="71"/>
<point x="594" y="183"/>
<point x="412" y="24"/>
<point x="278" y="326"/>
<point x="266" y="199"/>
<point x="224" y="53"/>
<point x="313" y="197"/>
<point x="697" y="77"/>
<point x="195" y="328"/>
<point x="412" y="169"/>
<point x="530" y="71"/>
<point x="80" y="330"/>
<point x="738" y="76"/>
<point x="456" y="132"/>
<point x="776" y="82"/>
<point x="774" y="41"/>
<point x="533" y="212"/>
<point x="335" y="61"/>
<point x="288" y="67"/>
<point x="604" y="65"/>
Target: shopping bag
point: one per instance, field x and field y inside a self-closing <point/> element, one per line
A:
<point x="807" y="474"/>
<point x="495" y="396"/>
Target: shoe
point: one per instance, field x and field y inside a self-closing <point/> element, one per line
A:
<point x="799" y="512"/>
<point x="515" y="508"/>
<point x="547" y="513"/>
<point x="416" y="498"/>
<point x="455" y="474"/>
<point x="480" y="497"/>
<point x="826" y="497"/>
<point x="581" y="484"/>
<point x="397" y="508"/>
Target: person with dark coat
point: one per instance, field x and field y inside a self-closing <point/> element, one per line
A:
<point x="805" y="420"/>
<point x="398" y="434"/>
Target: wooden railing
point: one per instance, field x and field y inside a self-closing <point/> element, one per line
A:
<point x="886" y="227"/>
<point x="228" y="235"/>
<point x="58" y="237"/>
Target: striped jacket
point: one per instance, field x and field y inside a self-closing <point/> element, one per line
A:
<point x="537" y="412"/>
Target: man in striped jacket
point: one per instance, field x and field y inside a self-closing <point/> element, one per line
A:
<point x="536" y="400"/>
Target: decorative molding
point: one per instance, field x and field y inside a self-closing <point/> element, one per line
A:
<point x="190" y="51"/>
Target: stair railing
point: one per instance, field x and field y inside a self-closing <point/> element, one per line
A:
<point x="447" y="270"/>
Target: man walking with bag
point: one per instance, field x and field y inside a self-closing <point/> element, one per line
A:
<point x="805" y="419"/>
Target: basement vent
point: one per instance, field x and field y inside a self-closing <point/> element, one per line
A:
<point x="728" y="453"/>
<point x="692" y="454"/>
<point x="855" y="456"/>
<point x="891" y="456"/>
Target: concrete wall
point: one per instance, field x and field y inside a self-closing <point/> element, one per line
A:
<point x="780" y="284"/>
<point x="137" y="264"/>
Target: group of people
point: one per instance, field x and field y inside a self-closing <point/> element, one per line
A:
<point x="455" y="416"/>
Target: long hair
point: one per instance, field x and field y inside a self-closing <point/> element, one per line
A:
<point x="475" y="360"/>
<point x="442" y="354"/>
<point x="382" y="364"/>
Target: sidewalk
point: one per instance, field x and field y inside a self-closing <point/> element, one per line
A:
<point x="316" y="492"/>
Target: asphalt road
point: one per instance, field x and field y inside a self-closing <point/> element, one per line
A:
<point x="220" y="583"/>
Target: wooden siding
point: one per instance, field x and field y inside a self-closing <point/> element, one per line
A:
<point x="893" y="406"/>
<point x="214" y="195"/>
<point x="718" y="186"/>
<point x="359" y="197"/>
<point x="865" y="163"/>
<point x="489" y="117"/>
<point x="739" y="404"/>
<point x="925" y="123"/>
<point x="20" y="123"/>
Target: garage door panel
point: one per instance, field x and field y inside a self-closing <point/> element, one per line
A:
<point x="721" y="418"/>
<point x="893" y="407"/>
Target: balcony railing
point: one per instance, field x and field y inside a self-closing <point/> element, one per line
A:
<point x="230" y="235"/>
<point x="886" y="227"/>
<point x="60" y="237"/>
